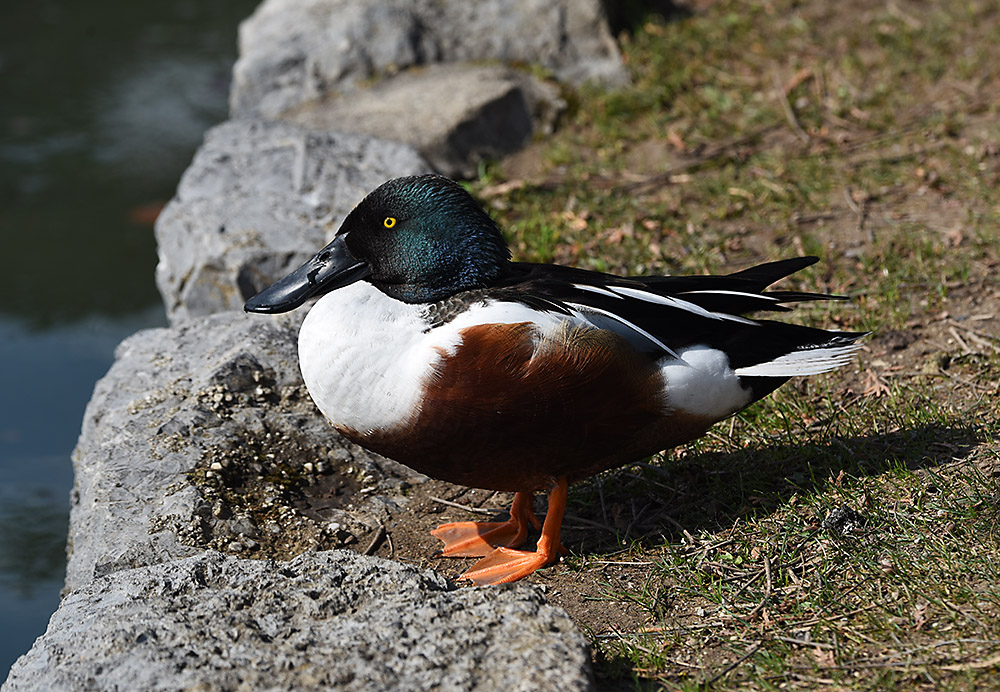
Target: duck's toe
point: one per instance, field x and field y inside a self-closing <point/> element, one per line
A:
<point x="477" y="539"/>
<point x="504" y="565"/>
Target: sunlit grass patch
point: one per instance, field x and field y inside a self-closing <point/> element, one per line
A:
<point x="849" y="553"/>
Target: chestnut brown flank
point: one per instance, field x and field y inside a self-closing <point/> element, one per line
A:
<point x="510" y="410"/>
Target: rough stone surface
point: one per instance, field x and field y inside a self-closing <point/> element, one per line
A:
<point x="181" y="436"/>
<point x="297" y="51"/>
<point x="259" y="199"/>
<point x="455" y="115"/>
<point x="332" y="620"/>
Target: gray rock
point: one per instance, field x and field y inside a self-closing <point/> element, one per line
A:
<point x="202" y="436"/>
<point x="297" y="51"/>
<point x="331" y="620"/>
<point x="259" y="199"/>
<point x="455" y="115"/>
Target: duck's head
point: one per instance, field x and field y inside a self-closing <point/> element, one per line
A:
<point x="418" y="239"/>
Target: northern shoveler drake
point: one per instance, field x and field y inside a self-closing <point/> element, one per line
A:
<point x="431" y="347"/>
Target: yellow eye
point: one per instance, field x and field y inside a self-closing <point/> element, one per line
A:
<point x="389" y="222"/>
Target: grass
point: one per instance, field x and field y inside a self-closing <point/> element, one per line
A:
<point x="755" y="130"/>
<point x="766" y="570"/>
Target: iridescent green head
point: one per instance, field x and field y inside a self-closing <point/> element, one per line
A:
<point x="425" y="238"/>
<point x="419" y="239"/>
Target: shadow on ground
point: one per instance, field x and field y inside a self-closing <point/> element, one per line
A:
<point x="651" y="503"/>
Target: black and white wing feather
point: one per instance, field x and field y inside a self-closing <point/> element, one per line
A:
<point x="668" y="314"/>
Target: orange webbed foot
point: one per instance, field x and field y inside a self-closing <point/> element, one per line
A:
<point x="505" y="565"/>
<point x="478" y="539"/>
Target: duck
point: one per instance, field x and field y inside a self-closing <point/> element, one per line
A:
<point x="429" y="345"/>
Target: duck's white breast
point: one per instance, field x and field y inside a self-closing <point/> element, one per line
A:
<point x="364" y="356"/>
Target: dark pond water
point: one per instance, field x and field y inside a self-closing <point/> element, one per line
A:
<point x="102" y="104"/>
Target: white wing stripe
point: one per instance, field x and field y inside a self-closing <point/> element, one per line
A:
<point x="677" y="303"/>
<point x="741" y="294"/>
<point x="598" y="290"/>
<point x="582" y="310"/>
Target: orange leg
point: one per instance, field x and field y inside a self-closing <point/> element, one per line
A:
<point x="505" y="565"/>
<point x="476" y="539"/>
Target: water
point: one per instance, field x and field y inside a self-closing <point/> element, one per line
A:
<point x="102" y="104"/>
<point x="47" y="377"/>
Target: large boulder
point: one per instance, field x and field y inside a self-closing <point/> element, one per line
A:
<point x="296" y="51"/>
<point x="259" y="199"/>
<point x="202" y="436"/>
<point x="331" y="620"/>
<point x="456" y="115"/>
